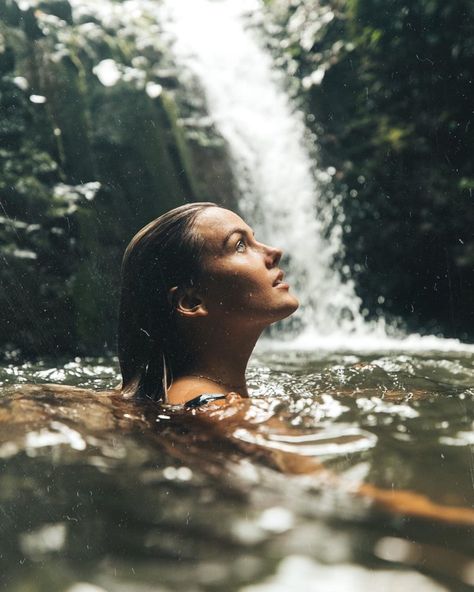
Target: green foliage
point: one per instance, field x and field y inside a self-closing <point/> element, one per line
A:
<point x="85" y="160"/>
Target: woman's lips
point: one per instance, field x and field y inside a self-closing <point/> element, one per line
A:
<point x="279" y="283"/>
<point x="279" y="279"/>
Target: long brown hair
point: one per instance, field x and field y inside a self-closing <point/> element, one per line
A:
<point x="163" y="254"/>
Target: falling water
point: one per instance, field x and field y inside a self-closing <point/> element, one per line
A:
<point x="281" y="197"/>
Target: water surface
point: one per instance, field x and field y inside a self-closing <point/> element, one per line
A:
<point x="115" y="498"/>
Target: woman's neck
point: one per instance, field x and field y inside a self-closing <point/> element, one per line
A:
<point x="222" y="360"/>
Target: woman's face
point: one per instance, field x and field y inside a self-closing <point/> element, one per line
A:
<point x="241" y="280"/>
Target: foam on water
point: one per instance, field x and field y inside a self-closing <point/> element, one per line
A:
<point x="369" y="341"/>
<point x="300" y="572"/>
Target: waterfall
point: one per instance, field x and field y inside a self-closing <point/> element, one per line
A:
<point x="267" y="139"/>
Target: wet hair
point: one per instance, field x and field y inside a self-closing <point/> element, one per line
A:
<point x="163" y="254"/>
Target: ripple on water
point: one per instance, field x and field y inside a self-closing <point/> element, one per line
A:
<point x="329" y="442"/>
<point x="401" y="422"/>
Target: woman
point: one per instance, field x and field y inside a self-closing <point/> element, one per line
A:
<point x="198" y="289"/>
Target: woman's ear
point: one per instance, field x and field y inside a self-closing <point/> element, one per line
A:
<point x="187" y="302"/>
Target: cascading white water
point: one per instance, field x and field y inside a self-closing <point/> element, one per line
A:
<point x="281" y="197"/>
<point x="266" y="138"/>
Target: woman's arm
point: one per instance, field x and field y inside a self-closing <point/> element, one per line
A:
<point x="252" y="429"/>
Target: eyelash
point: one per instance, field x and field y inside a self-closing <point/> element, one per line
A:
<point x="240" y="242"/>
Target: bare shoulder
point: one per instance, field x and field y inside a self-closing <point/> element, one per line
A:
<point x="186" y="388"/>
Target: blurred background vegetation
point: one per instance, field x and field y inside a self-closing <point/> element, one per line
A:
<point x="85" y="161"/>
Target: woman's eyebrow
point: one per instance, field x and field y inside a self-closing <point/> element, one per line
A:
<point x="244" y="231"/>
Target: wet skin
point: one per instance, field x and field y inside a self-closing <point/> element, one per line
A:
<point x="242" y="283"/>
<point x="239" y="292"/>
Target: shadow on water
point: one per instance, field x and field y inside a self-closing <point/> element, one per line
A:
<point x="99" y="492"/>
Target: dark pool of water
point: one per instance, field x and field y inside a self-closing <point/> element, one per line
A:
<point x="94" y="498"/>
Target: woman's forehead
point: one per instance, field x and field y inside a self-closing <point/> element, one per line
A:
<point x="216" y="223"/>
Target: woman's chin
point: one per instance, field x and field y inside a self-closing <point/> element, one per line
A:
<point x="291" y="306"/>
<point x="295" y="303"/>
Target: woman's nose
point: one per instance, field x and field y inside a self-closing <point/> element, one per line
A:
<point x="274" y="256"/>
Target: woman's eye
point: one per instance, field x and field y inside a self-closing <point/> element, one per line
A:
<point x="240" y="246"/>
